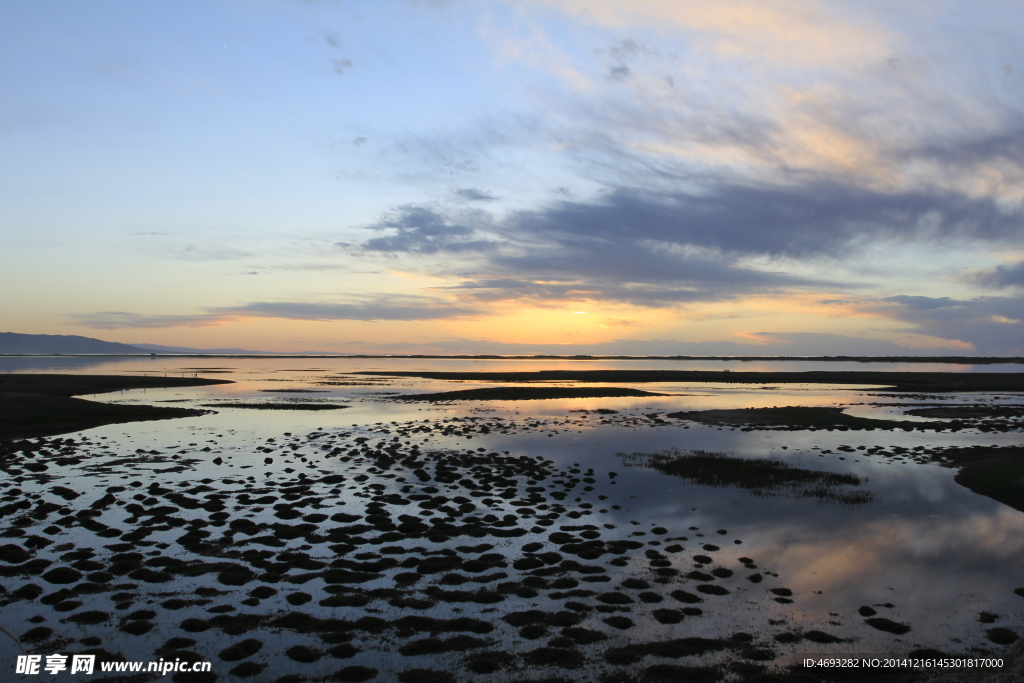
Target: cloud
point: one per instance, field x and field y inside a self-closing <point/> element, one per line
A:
<point x="924" y="303"/>
<point x="112" y="320"/>
<point x="191" y="252"/>
<point x="762" y="173"/>
<point x="332" y="38"/>
<point x="991" y="325"/>
<point x="619" y="73"/>
<point x="379" y="309"/>
<point x="321" y="266"/>
<point x="406" y="308"/>
<point x="758" y="344"/>
<point x="628" y="49"/>
<point x="626" y="259"/>
<point x="630" y="248"/>
<point x="621" y="54"/>
<point x="801" y="32"/>
<point x="776" y="90"/>
<point x="340" y="65"/>
<point x="472" y="194"/>
<point x="666" y="234"/>
<point x="423" y="230"/>
<point x="818" y="218"/>
<point x="542" y="293"/>
<point x="1001" y="277"/>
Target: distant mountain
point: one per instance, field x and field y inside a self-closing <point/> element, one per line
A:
<point x="41" y="344"/>
<point x="12" y="342"/>
<point x="157" y="348"/>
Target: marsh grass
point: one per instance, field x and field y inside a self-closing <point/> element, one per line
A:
<point x="760" y="476"/>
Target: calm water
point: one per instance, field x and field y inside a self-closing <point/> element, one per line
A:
<point x="937" y="553"/>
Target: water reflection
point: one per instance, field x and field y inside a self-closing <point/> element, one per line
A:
<point x="76" y="364"/>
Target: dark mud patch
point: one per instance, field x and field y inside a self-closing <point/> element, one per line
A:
<point x="42" y="405"/>
<point x="303" y="654"/>
<point x="29" y="415"/>
<point x="241" y="650"/>
<point x="798" y="417"/>
<point x="1001" y="635"/>
<point x="1000" y="480"/>
<point x="353" y="674"/>
<point x="887" y="625"/>
<point x="760" y="476"/>
<point x="992" y="471"/>
<point x="37" y="634"/>
<point x="527" y="394"/>
<point x="294" y="391"/>
<point x="80" y="385"/>
<point x="277" y="406"/>
<point x="489" y="662"/>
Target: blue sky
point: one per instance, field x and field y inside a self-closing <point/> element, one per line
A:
<point x="645" y="177"/>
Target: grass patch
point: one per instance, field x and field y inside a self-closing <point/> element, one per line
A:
<point x="760" y="476"/>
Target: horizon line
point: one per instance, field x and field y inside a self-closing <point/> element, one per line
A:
<point x="965" y="360"/>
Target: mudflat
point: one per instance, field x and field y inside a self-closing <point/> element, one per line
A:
<point x="80" y="385"/>
<point x="43" y="405"/>
<point x="654" y="538"/>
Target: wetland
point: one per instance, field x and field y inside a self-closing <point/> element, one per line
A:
<point x="509" y="520"/>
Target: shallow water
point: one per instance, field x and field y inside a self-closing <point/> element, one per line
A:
<point x="937" y="553"/>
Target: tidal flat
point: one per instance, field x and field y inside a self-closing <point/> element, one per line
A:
<point x="607" y="527"/>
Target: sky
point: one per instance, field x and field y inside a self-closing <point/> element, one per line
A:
<point x="734" y="177"/>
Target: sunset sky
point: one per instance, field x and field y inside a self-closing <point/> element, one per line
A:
<point x="539" y="176"/>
